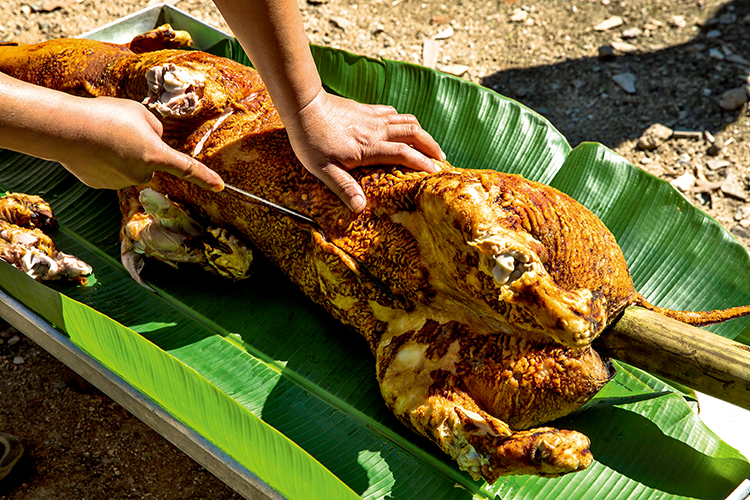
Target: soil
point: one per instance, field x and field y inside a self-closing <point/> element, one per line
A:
<point x="551" y="55"/>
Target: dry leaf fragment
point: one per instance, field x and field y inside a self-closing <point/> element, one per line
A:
<point x="430" y="51"/>
<point x="454" y="69"/>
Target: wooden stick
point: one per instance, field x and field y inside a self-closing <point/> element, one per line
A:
<point x="685" y="354"/>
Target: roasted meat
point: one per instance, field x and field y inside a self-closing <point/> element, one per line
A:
<point x="478" y="292"/>
<point x="24" y="219"/>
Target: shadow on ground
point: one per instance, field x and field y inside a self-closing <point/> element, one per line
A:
<point x="677" y="86"/>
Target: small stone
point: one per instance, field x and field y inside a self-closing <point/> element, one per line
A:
<point x="14" y="340"/>
<point x="446" y="33"/>
<point x="519" y="16"/>
<point x="684" y="159"/>
<point x="715" y="148"/>
<point x="740" y="231"/>
<point x="610" y="23"/>
<point x="625" y="48"/>
<point x="736" y="59"/>
<point x="728" y="18"/>
<point x="18" y="360"/>
<point x="731" y="187"/>
<point x="654" y="136"/>
<point x="746" y="19"/>
<point x="733" y="99"/>
<point x="377" y="28"/>
<point x="341" y="22"/>
<point x="626" y="81"/>
<point x="606" y="53"/>
<point x="742" y="213"/>
<point x="717" y="164"/>
<point x="631" y="33"/>
<point x="713" y="34"/>
<point x="684" y="182"/>
<point x="652" y="25"/>
<point x="716" y="53"/>
<point x="677" y="21"/>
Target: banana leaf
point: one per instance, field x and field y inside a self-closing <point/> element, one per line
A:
<point x="289" y="393"/>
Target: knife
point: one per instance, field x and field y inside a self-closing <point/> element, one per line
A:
<point x="269" y="203"/>
<point x="362" y="266"/>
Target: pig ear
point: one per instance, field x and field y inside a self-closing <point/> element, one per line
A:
<point x="163" y="37"/>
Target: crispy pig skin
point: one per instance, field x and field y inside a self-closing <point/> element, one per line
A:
<point x="478" y="292"/>
<point x="29" y="211"/>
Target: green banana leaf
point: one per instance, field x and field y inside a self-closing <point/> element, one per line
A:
<point x="289" y="393"/>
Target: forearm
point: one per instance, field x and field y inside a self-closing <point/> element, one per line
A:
<point x="35" y="120"/>
<point x="104" y="141"/>
<point x="273" y="35"/>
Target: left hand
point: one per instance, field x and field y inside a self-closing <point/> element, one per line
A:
<point x="332" y="135"/>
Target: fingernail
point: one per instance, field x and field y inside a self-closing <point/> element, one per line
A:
<point x="358" y="202"/>
<point x="442" y="155"/>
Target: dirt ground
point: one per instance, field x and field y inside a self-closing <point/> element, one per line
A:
<point x="599" y="70"/>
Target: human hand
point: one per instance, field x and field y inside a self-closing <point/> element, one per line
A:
<point x="116" y="143"/>
<point x="332" y="135"/>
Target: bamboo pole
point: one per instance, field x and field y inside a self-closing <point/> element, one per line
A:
<point x="685" y="354"/>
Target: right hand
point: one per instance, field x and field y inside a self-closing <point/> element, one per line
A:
<point x="117" y="143"/>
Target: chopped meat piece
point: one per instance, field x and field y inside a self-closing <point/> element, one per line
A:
<point x="27" y="211"/>
<point x="24" y="245"/>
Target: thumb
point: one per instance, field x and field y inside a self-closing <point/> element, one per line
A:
<point x="188" y="168"/>
<point x="344" y="186"/>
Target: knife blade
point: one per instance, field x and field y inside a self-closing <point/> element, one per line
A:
<point x="269" y="203"/>
<point x="364" y="268"/>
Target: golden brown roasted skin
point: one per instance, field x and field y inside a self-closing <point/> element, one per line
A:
<point x="478" y="292"/>
<point x="27" y="211"/>
<point x="24" y="244"/>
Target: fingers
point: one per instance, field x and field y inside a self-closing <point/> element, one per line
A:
<point x="406" y="128"/>
<point x="400" y="141"/>
<point x="344" y="186"/>
<point x="192" y="170"/>
<point x="398" y="153"/>
<point x="414" y="135"/>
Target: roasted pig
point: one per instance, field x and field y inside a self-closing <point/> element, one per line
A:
<point x="478" y="292"/>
